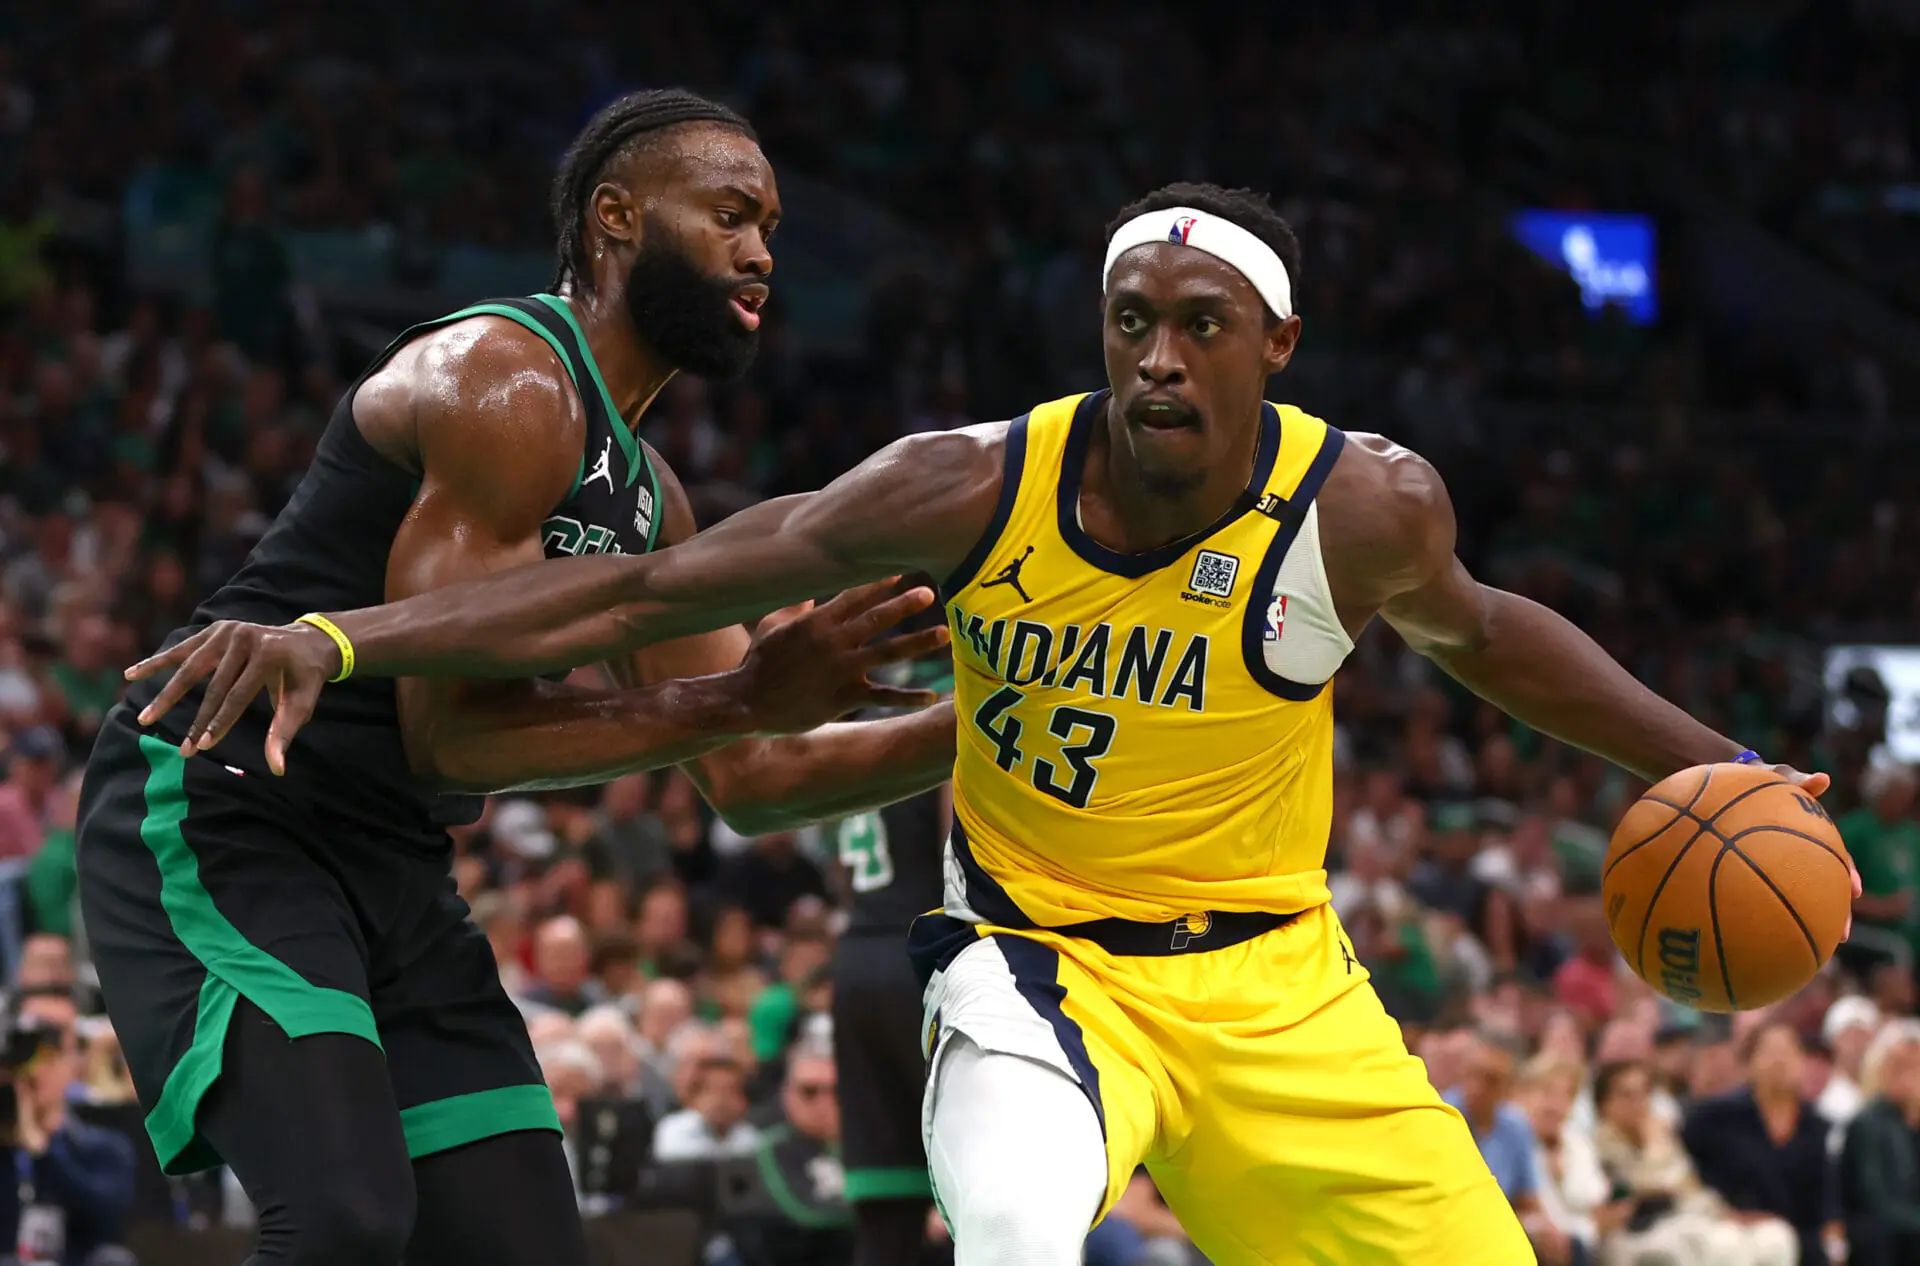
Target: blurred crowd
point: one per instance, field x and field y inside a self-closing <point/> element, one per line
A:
<point x="674" y="974"/>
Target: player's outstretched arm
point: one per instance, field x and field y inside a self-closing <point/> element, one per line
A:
<point x="918" y="505"/>
<point x="760" y="785"/>
<point x="1398" y="558"/>
<point x="1526" y="660"/>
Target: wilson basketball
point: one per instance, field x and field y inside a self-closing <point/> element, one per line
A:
<point x="1726" y="887"/>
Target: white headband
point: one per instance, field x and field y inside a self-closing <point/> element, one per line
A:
<point x="1224" y="239"/>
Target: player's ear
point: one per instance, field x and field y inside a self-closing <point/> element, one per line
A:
<point x="1281" y="337"/>
<point x="615" y="212"/>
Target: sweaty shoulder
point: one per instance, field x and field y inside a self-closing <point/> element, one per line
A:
<point x="1386" y="523"/>
<point x="478" y="398"/>
<point x="921" y="503"/>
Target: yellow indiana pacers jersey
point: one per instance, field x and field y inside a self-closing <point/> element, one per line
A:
<point x="1125" y="751"/>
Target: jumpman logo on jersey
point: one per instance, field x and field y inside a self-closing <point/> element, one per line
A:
<point x="1010" y="575"/>
<point x="603" y="467"/>
<point x="1347" y="954"/>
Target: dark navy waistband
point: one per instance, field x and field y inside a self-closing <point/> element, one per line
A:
<point x="936" y="939"/>
<point x="1189" y="934"/>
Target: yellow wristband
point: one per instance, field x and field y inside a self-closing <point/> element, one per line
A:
<point x="340" y="640"/>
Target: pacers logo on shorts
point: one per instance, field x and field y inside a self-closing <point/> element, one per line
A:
<point x="1191" y="928"/>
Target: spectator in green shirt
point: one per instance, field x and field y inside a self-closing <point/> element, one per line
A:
<point x="772" y="1013"/>
<point x="1885" y="842"/>
<point x="86" y="678"/>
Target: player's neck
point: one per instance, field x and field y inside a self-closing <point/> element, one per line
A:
<point x="1143" y="516"/>
<point x="633" y="371"/>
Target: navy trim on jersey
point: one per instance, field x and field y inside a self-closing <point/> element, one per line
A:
<point x="985" y="897"/>
<point x="1291" y="516"/>
<point x="1036" y="974"/>
<point x="935" y="940"/>
<point x="1014" y="464"/>
<point x="1073" y="464"/>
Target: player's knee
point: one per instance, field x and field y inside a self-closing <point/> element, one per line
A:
<point x="1023" y="1180"/>
<point x="355" y="1222"/>
<point x="1008" y="1227"/>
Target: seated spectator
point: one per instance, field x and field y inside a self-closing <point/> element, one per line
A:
<point x="1846" y="1031"/>
<point x="547" y="1025"/>
<point x="1574" y="1195"/>
<point x="606" y="1032"/>
<point x="75" y="1180"/>
<point x="772" y="1014"/>
<point x="661" y="930"/>
<point x="572" y="1073"/>
<point x="1445" y="881"/>
<point x="1586" y="982"/>
<point x="799" y="1161"/>
<point x="664" y="1007"/>
<point x="1764" y="1148"/>
<point x="1671" y="1217"/>
<point x="608" y="909"/>
<point x="629" y="842"/>
<point x="770" y="876"/>
<point x="499" y="916"/>
<point x="1632" y="1041"/>
<point x="1387" y="930"/>
<point x="562" y="963"/>
<point x="1884" y="841"/>
<point x="1891" y="986"/>
<point x="46" y="961"/>
<point x="730" y="948"/>
<point x="34" y="764"/>
<point x="52" y="880"/>
<point x="616" y="963"/>
<point x="1880" y="1162"/>
<point x="1446" y="1053"/>
<point x="714" y="1122"/>
<point x="1499" y="1127"/>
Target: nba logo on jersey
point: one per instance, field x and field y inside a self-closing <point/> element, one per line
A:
<point x="1181" y="228"/>
<point x="1276" y="616"/>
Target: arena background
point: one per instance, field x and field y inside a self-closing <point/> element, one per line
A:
<point x="1641" y="278"/>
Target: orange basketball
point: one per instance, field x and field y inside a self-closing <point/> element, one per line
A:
<point x="1726" y="887"/>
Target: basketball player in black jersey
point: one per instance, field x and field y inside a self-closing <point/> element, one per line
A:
<point x="295" y="984"/>
<point x="892" y="859"/>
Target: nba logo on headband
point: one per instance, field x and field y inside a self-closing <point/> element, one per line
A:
<point x="1222" y="238"/>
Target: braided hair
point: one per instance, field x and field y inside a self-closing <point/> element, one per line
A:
<point x="638" y="115"/>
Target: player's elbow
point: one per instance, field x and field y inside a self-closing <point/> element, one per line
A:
<point x="451" y="768"/>
<point x="749" y="814"/>
<point x="738" y="786"/>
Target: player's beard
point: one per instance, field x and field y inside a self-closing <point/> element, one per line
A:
<point x="684" y="314"/>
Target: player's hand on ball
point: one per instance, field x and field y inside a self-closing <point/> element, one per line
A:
<point x="292" y="662"/>
<point x="811" y="664"/>
<point x="1816" y="785"/>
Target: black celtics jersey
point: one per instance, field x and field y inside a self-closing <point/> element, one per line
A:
<point x="328" y="552"/>
<point x="893" y="855"/>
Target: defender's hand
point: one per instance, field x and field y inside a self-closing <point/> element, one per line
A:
<point x="1816" y="785"/>
<point x="810" y="664"/>
<point x="292" y="662"/>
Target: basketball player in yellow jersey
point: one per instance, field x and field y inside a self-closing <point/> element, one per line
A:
<point x="1148" y="589"/>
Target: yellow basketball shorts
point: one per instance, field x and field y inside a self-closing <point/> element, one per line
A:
<point x="1261" y="1083"/>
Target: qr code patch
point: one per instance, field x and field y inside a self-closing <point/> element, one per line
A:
<point x="1213" y="574"/>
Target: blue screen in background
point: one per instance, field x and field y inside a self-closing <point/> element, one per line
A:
<point x="1610" y="256"/>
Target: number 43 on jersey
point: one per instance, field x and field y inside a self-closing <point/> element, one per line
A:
<point x="1085" y="737"/>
